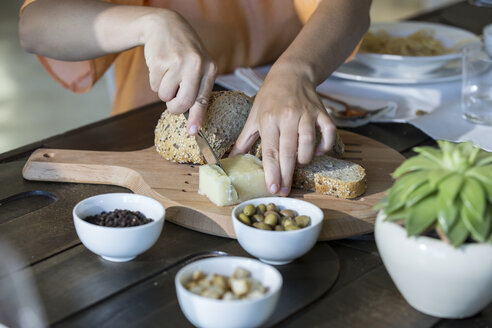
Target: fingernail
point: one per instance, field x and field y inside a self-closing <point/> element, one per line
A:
<point x="273" y="189"/>
<point x="284" y="191"/>
<point x="319" y="153"/>
<point x="193" y="130"/>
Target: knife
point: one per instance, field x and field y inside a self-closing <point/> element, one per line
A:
<point x="205" y="149"/>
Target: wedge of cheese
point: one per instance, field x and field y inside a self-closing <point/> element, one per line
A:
<point x="244" y="175"/>
<point x="216" y="185"/>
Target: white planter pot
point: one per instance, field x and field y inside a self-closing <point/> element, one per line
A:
<point x="434" y="277"/>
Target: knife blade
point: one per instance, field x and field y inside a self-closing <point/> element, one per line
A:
<point x="205" y="149"/>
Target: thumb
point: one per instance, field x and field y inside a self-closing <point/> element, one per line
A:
<point x="246" y="139"/>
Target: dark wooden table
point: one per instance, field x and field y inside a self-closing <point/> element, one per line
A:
<point x="338" y="284"/>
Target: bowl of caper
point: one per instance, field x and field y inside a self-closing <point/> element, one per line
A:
<point x="277" y="230"/>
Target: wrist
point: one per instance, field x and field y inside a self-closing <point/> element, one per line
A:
<point x="154" y="19"/>
<point x="288" y="67"/>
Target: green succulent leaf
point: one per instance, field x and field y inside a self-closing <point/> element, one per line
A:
<point x="437" y="176"/>
<point x="420" y="193"/>
<point x="431" y="153"/>
<point x="415" y="164"/>
<point x="422" y="216"/>
<point x="401" y="214"/>
<point x="483" y="158"/>
<point x="458" y="234"/>
<point x="450" y="187"/>
<point x="383" y="203"/>
<point x="473" y="197"/>
<point x="447" y="211"/>
<point x="448" y="205"/>
<point x="478" y="227"/>
<point x="484" y="175"/>
<point x="488" y="217"/>
<point x="465" y="148"/>
<point x="481" y="173"/>
<point x="398" y="194"/>
<point x="447" y="150"/>
<point x="472" y="157"/>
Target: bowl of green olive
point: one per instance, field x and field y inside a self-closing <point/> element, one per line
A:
<point x="277" y="230"/>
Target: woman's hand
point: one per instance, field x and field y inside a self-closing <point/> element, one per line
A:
<point x="286" y="113"/>
<point x="180" y="69"/>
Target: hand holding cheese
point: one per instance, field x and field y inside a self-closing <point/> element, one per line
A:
<point x="245" y="180"/>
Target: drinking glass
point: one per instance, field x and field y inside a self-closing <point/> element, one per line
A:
<point x="476" y="95"/>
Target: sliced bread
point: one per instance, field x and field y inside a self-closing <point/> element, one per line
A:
<point x="226" y="115"/>
<point x="331" y="176"/>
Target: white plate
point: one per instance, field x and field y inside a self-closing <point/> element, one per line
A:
<point x="383" y="68"/>
<point x="356" y="71"/>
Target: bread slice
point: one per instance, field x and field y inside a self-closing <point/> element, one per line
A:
<point x="331" y="176"/>
<point x="226" y="115"/>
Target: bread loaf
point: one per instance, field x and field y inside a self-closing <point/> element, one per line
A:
<point x="226" y="115"/>
<point x="331" y="176"/>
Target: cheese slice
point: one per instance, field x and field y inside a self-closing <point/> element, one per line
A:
<point x="247" y="175"/>
<point x="216" y="185"/>
<point x="245" y="180"/>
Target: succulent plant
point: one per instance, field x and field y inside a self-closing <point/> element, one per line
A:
<point x="448" y="189"/>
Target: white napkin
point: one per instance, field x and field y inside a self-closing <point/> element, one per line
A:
<point x="441" y="102"/>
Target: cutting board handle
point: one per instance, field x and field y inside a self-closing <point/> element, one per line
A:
<point x="81" y="166"/>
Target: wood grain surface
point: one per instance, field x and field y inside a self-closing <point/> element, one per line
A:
<point x="176" y="185"/>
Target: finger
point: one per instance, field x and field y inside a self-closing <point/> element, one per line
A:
<point x="328" y="134"/>
<point x="169" y="86"/>
<point x="155" y="77"/>
<point x="199" y="108"/>
<point x="188" y="91"/>
<point x="270" y="154"/>
<point x="246" y="139"/>
<point x="307" y="140"/>
<point x="288" y="154"/>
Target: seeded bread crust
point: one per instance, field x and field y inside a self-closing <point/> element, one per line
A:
<point x="226" y="115"/>
<point x="331" y="176"/>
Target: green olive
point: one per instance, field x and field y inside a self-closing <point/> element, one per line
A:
<point x="244" y="219"/>
<point x="288" y="222"/>
<point x="302" y="220"/>
<point x="271" y="219"/>
<point x="261" y="208"/>
<point x="258" y="218"/>
<point x="272" y="212"/>
<point x="262" y="226"/>
<point x="289" y="213"/>
<point x="249" y="210"/>
<point x="272" y="207"/>
<point x="279" y="228"/>
<point x="291" y="227"/>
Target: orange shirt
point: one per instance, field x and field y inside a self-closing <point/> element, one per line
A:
<point x="235" y="33"/>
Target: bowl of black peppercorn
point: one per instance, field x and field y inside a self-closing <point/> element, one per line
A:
<point x="118" y="226"/>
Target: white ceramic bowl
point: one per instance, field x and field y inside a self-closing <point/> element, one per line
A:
<point x="451" y="37"/>
<point x="208" y="312"/>
<point x="434" y="277"/>
<point x="123" y="243"/>
<point x="279" y="247"/>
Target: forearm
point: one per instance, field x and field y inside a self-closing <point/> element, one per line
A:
<point x="82" y="29"/>
<point x="327" y="39"/>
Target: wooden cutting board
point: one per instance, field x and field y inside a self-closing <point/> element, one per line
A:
<point x="176" y="185"/>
